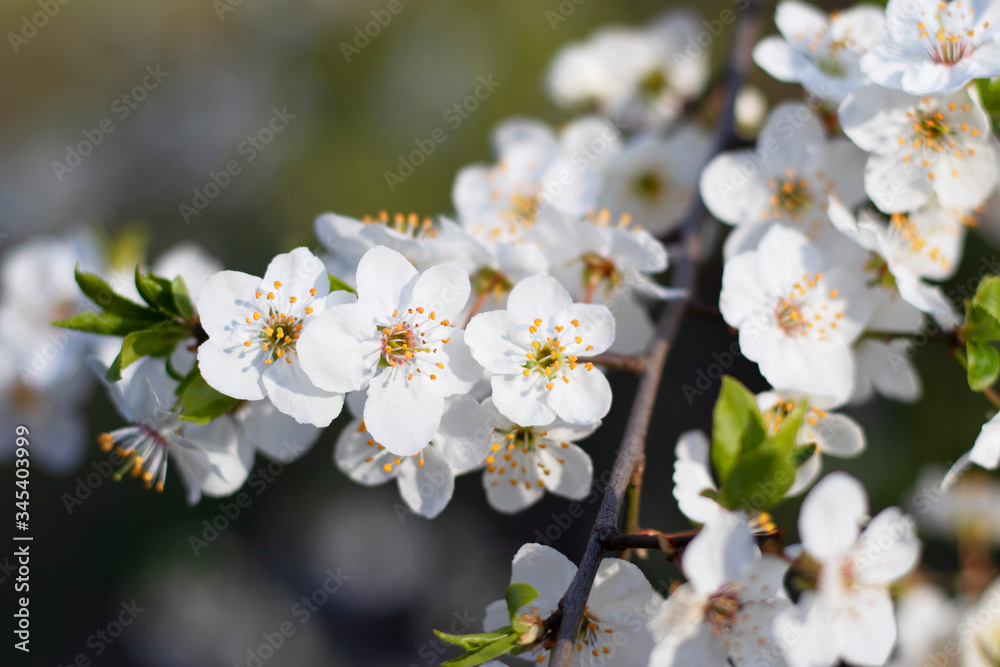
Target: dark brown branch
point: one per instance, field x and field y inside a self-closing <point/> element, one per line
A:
<point x="566" y="619"/>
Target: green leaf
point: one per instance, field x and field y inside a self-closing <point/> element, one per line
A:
<point x="803" y="453"/>
<point x="983" y="365"/>
<point x="517" y="596"/>
<point x="785" y="437"/>
<point x="154" y="290"/>
<point x="100" y="292"/>
<point x="989" y="93"/>
<point x="338" y="285"/>
<point x="476" y="640"/>
<point x="182" y="298"/>
<point x="199" y="402"/>
<point x="158" y="342"/>
<point x="988" y="296"/>
<point x="737" y="426"/>
<point x="106" y="324"/>
<point x="979" y="325"/>
<point x="488" y="652"/>
<point x="759" y="480"/>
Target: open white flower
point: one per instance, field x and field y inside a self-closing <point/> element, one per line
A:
<point x="724" y="611"/>
<point x="902" y="253"/>
<point x="533" y="350"/>
<point x="426" y="480"/>
<point x="208" y="456"/>
<point x="935" y="48"/>
<point x="37" y="286"/>
<point x="920" y="147"/>
<point x="797" y="317"/>
<point x="850" y="615"/>
<point x="655" y="180"/>
<point x="612" y="264"/>
<point x="535" y="168"/>
<point x="424" y="241"/>
<point x="640" y="76"/>
<point x="614" y="628"/>
<point x="833" y="434"/>
<point x="397" y="341"/>
<point x="526" y="461"/>
<point x="254" y="324"/>
<point x="820" y="51"/>
<point x="786" y="181"/>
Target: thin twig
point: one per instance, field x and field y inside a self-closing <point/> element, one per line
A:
<point x="633" y="364"/>
<point x="569" y="614"/>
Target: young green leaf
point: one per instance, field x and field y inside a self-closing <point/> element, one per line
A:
<point x="100" y="292"/>
<point x="156" y="291"/>
<point x="106" y="324"/>
<point x="989" y="93"/>
<point x="481" y="655"/>
<point x="788" y="430"/>
<point x="983" y="365"/>
<point x="338" y="285"/>
<point x="803" y="453"/>
<point x="988" y="295"/>
<point x="737" y="425"/>
<point x="199" y="402"/>
<point x="759" y="480"/>
<point x="517" y="596"/>
<point x="979" y="325"/>
<point x="182" y="298"/>
<point x="476" y="640"/>
<point x="158" y="342"/>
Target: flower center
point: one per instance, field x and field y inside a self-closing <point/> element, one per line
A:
<point x="799" y="313"/>
<point x="277" y="329"/>
<point x="790" y="196"/>
<point x="515" y="457"/>
<point x="404" y="341"/>
<point x="649" y="186"/>
<point x="548" y="356"/>
<point x="721" y="611"/>
<point x="399" y="343"/>
<point x="931" y="129"/>
<point x="654" y="83"/>
<point x="592" y="635"/>
<point x="788" y="313"/>
<point x="949" y="46"/>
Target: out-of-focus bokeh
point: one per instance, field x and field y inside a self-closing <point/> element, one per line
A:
<point x="125" y="115"/>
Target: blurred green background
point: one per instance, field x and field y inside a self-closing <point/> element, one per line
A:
<point x="228" y="67"/>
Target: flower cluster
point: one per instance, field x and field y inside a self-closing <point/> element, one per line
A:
<point x="479" y="340"/>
